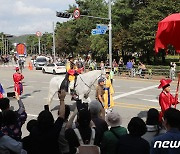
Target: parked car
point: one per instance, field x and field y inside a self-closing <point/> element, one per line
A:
<point x="54" y="68"/>
<point x="40" y="62"/>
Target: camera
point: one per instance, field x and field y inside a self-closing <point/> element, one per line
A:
<point x="10" y="94"/>
<point x="81" y="105"/>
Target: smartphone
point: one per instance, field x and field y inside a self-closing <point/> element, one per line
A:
<point x="10" y="94"/>
<point x="46" y="107"/>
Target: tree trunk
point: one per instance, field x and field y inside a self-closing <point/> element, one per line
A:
<point x="163" y="53"/>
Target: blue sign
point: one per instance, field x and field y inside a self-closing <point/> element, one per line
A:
<point x="98" y="31"/>
<point x="100" y="26"/>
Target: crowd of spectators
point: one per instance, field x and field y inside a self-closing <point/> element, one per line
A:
<point x="66" y="135"/>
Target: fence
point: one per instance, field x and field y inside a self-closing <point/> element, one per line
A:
<point x="151" y="70"/>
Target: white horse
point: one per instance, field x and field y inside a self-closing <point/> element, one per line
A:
<point x="83" y="85"/>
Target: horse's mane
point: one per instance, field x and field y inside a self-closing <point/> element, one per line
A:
<point x="91" y="73"/>
<point x="90" y="76"/>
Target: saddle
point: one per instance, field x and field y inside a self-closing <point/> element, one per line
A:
<point x="65" y="86"/>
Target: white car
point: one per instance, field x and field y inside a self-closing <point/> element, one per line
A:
<point x="54" y="68"/>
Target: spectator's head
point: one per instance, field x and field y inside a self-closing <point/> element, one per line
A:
<point x="95" y="108"/>
<point x="137" y="127"/>
<point x="165" y="84"/>
<point x="101" y="81"/>
<point x="31" y="124"/>
<point x="152" y="117"/>
<point x="113" y="119"/>
<point x="172" y="118"/>
<point x="84" y="118"/>
<point x="9" y="117"/>
<point x="45" y="120"/>
<point x="4" y="104"/>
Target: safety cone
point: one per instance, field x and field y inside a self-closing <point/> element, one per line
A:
<point x="30" y="67"/>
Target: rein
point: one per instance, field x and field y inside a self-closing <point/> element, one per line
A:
<point x="89" y="86"/>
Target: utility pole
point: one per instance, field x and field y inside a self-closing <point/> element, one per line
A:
<point x="39" y="45"/>
<point x="110" y="35"/>
<point x="5" y="46"/>
<point x="54" y="48"/>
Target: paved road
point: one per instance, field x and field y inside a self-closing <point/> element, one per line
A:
<point x="133" y="97"/>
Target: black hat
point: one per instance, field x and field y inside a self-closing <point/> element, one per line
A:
<point x="70" y="57"/>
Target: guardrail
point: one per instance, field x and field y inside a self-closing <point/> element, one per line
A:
<point x="151" y="70"/>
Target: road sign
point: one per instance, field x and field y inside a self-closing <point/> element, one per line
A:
<point x="76" y="13"/>
<point x="38" y="33"/>
<point x="102" y="26"/>
<point x="98" y="31"/>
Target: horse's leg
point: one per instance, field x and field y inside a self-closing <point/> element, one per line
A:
<point x="50" y="98"/>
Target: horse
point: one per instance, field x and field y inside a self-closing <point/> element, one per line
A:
<point x="83" y="85"/>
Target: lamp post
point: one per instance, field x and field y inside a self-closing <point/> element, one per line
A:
<point x="110" y="35"/>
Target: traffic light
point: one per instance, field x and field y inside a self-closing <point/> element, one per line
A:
<point x="63" y="14"/>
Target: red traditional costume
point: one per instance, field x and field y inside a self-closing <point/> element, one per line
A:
<point x="166" y="99"/>
<point x="18" y="77"/>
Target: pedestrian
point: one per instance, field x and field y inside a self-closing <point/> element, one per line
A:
<point x="129" y="67"/>
<point x="18" y="77"/>
<point x="132" y="142"/>
<point x="108" y="92"/>
<point x="7" y="144"/>
<point x="98" y="117"/>
<point x="111" y="137"/>
<point x="13" y="120"/>
<point x="111" y="76"/>
<point x="100" y="91"/>
<point x="166" y="99"/>
<point x="153" y="125"/>
<point x="172" y="70"/>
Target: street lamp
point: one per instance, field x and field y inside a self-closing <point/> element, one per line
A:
<point x="110" y="35"/>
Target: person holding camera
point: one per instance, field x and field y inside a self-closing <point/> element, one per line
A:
<point x="44" y="136"/>
<point x="1" y="91"/>
<point x="82" y="134"/>
<point x="18" y="77"/>
<point x="13" y="120"/>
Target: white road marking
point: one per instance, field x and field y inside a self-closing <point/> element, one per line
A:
<point x="27" y="96"/>
<point x="145" y="95"/>
<point x="135" y="87"/>
<point x="53" y="99"/>
<point x="133" y="92"/>
<point x="151" y="100"/>
<point x="32" y="115"/>
<point x="32" y="81"/>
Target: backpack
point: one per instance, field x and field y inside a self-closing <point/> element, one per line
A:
<point x="87" y="148"/>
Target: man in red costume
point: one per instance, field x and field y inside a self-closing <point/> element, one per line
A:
<point x="166" y="99"/>
<point x="18" y="77"/>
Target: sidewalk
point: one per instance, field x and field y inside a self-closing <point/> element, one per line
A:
<point x="153" y="77"/>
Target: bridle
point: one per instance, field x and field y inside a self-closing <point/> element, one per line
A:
<point x="89" y="86"/>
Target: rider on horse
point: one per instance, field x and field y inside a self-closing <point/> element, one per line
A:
<point x="72" y="73"/>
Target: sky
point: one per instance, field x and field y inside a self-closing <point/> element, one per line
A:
<point x="19" y="17"/>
